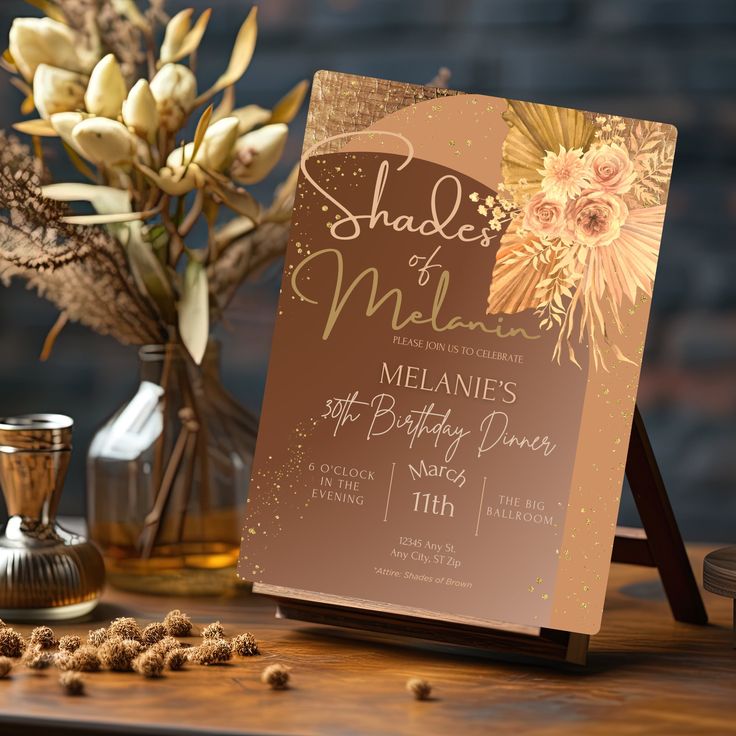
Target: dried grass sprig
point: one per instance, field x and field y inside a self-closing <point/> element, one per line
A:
<point x="32" y="233"/>
<point x="82" y="270"/>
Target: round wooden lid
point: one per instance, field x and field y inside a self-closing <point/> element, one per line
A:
<point x="719" y="572"/>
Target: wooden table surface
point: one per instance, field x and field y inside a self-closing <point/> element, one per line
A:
<point x="646" y="675"/>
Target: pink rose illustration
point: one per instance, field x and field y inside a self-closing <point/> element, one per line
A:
<point x="594" y="219"/>
<point x="611" y="169"/>
<point x="544" y="216"/>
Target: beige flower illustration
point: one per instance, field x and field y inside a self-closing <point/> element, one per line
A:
<point x="594" y="219"/>
<point x="611" y="168"/>
<point x="565" y="174"/>
<point x="544" y="216"/>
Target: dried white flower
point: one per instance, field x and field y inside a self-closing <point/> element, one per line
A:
<point x="216" y="150"/>
<point x="176" y="181"/>
<point x="176" y="31"/>
<point x="174" y="88"/>
<point x="106" y="90"/>
<point x="257" y="152"/>
<point x="139" y="111"/>
<point x="57" y="90"/>
<point x="35" y="41"/>
<point x="104" y="141"/>
<point x="64" y="123"/>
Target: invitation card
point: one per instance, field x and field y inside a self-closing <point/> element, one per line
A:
<point x="456" y="355"/>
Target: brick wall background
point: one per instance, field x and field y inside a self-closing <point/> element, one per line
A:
<point x="670" y="60"/>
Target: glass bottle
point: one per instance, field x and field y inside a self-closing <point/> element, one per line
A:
<point x="168" y="478"/>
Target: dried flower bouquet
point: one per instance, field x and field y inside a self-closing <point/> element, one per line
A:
<point x="129" y="270"/>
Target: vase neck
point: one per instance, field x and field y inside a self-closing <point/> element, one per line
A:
<point x="157" y="360"/>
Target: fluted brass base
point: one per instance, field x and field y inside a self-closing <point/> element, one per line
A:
<point x="47" y="573"/>
<point x="56" y="613"/>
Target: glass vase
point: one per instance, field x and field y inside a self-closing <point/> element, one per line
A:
<point x="168" y="478"/>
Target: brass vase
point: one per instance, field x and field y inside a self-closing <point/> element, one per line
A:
<point x="46" y="573"/>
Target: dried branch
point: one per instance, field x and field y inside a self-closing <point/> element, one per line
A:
<point x="245" y="257"/>
<point x="156" y="14"/>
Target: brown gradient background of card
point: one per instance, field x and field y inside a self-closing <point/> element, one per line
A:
<point x="551" y="575"/>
